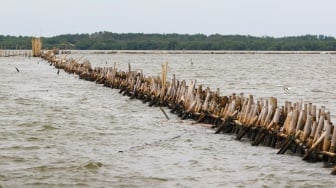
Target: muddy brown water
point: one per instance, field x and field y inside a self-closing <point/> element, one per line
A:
<point x="59" y="131"/>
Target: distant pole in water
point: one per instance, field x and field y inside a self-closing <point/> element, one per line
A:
<point x="58" y="71"/>
<point x="191" y="61"/>
<point x="164" y="113"/>
<point x="36" y="46"/>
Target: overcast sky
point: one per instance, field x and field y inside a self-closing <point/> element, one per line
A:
<point x="245" y="17"/>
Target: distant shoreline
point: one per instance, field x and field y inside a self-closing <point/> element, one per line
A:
<point x="5" y="53"/>
<point x="198" y="52"/>
<point x="179" y="42"/>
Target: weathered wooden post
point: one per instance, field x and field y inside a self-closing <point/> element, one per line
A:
<point x="164" y="74"/>
<point x="36" y="46"/>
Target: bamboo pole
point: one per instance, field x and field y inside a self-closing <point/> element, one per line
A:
<point x="300" y="120"/>
<point x="333" y="140"/>
<point x="36" y="46"/>
<point x="162" y="110"/>
<point x="307" y="128"/>
<point x="319" y="127"/>
<point x="326" y="141"/>
<point x="318" y="141"/>
<point x="164" y="74"/>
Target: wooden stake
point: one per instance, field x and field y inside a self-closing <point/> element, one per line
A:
<point x="164" y="113"/>
<point x="318" y="141"/>
<point x="333" y="140"/>
<point x="326" y="141"/>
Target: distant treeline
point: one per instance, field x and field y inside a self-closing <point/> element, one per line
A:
<point x="141" y="41"/>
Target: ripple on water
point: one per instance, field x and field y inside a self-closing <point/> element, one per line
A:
<point x="27" y="148"/>
<point x="12" y="158"/>
<point x="93" y="165"/>
<point x="29" y="124"/>
<point x="316" y="90"/>
<point x="37" y="184"/>
<point x="139" y="181"/>
<point x="48" y="128"/>
<point x="31" y="139"/>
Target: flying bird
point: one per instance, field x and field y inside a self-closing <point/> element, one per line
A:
<point x="17" y="69"/>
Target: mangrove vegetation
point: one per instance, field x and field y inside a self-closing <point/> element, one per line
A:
<point x="140" y="41"/>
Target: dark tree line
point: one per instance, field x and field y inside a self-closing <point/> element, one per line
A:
<point x="140" y="41"/>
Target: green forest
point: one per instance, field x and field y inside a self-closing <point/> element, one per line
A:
<point x="140" y="41"/>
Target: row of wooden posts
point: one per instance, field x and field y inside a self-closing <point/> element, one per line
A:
<point x="300" y="128"/>
<point x="12" y="53"/>
<point x="36" y="50"/>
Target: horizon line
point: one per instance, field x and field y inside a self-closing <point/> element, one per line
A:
<point x="154" y="33"/>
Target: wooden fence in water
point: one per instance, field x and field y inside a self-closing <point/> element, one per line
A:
<point x="300" y="128"/>
<point x="13" y="53"/>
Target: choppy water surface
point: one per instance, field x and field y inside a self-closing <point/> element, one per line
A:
<point x="59" y="131"/>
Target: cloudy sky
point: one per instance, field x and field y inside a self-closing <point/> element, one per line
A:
<point x="245" y="17"/>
